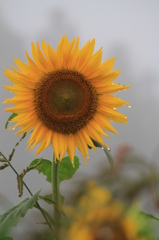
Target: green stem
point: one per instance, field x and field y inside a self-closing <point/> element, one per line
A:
<point x="55" y="189"/>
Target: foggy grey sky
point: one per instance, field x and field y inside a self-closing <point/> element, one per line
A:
<point x="126" y="29"/>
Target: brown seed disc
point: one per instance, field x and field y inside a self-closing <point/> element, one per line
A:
<point x="65" y="101"/>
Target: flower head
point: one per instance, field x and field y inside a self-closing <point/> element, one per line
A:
<point x="64" y="96"/>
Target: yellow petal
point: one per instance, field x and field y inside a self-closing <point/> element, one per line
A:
<point x="111" y="101"/>
<point x="80" y="147"/>
<point x="24" y="68"/>
<point x="55" y="145"/>
<point x="103" y="121"/>
<point x="36" y="57"/>
<point x="46" y="52"/>
<point x="63" y="144"/>
<point x="42" y="59"/>
<point x="113" y="88"/>
<point x="74" y="54"/>
<point x="112" y="114"/>
<point x="71" y="147"/>
<point x="45" y="142"/>
<point x="53" y="57"/>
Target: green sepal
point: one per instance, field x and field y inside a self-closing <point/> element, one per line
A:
<point x="96" y="144"/>
<point x="106" y="151"/>
<point x="10" y="118"/>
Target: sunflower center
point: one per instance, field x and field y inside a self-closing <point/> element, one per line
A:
<point x="65" y="101"/>
<point x="65" y="96"/>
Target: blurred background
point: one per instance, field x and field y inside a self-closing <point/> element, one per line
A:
<point x="127" y="30"/>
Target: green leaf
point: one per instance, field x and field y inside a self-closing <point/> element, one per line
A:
<point x="109" y="156"/>
<point x="47" y="215"/>
<point x="106" y="151"/>
<point x="47" y="198"/>
<point x="44" y="168"/>
<point x="150" y="216"/>
<point x="10" y="118"/>
<point x="66" y="171"/>
<point x="6" y="238"/>
<point x="11" y="217"/>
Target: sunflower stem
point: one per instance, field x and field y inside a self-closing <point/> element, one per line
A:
<point x="55" y="189"/>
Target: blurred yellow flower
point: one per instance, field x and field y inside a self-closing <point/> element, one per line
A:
<point x="99" y="217"/>
<point x="64" y="96"/>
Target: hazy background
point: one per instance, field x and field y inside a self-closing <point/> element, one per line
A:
<point x="126" y="29"/>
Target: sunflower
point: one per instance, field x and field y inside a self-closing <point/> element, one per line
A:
<point x="64" y="97"/>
